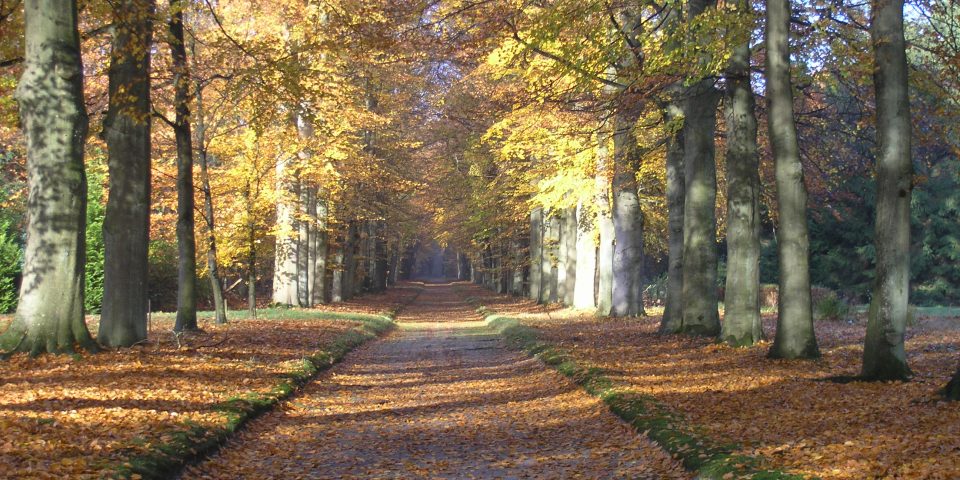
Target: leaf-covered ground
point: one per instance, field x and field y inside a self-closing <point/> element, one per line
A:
<point x="440" y="398"/>
<point x="782" y="410"/>
<point x="80" y="416"/>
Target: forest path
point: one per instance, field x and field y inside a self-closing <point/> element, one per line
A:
<point x="440" y="398"/>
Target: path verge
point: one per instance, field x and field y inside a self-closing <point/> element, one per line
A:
<point x="698" y="453"/>
<point x="193" y="442"/>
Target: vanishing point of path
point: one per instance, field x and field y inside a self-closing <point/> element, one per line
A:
<point x="439" y="398"/>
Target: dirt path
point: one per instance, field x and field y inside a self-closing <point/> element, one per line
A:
<point x="439" y="399"/>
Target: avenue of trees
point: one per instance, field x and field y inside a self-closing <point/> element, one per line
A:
<point x="571" y="151"/>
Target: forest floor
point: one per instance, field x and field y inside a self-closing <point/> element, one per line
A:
<point x="784" y="411"/>
<point x="440" y="398"/>
<point x="82" y="416"/>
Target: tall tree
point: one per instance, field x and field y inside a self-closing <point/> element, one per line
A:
<point x="49" y="315"/>
<point x="795" y="336"/>
<point x="126" y="225"/>
<point x="741" y="321"/>
<point x="700" y="314"/>
<point x="884" y="357"/>
<point x="213" y="266"/>
<point x="186" y="239"/>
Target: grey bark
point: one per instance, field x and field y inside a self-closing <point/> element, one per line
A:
<point x="795" y="336"/>
<point x="884" y="357"/>
<point x="126" y="225"/>
<point x="700" y="314"/>
<point x="49" y="315"/>
<point x="672" y="320"/>
<point x="569" y="236"/>
<point x="285" y="258"/>
<point x="318" y="255"/>
<point x="605" y="226"/>
<point x="627" y="215"/>
<point x="741" y="321"/>
<point x="583" y="295"/>
<point x="336" y="280"/>
<point x="216" y="283"/>
<point x="186" y="239"/>
<point x="349" y="281"/>
<point x="552" y="258"/>
<point x="536" y="253"/>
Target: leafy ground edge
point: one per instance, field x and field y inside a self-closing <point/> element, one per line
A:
<point x="194" y="442"/>
<point x="648" y="416"/>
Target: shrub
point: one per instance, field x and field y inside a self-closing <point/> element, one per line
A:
<point x="93" y="287"/>
<point x="11" y="256"/>
<point x="830" y="306"/>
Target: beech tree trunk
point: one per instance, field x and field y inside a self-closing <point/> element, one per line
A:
<point x="627" y="215"/>
<point x="336" y="280"/>
<point x="126" y="224"/>
<point x="552" y="258"/>
<point x="952" y="390"/>
<point x="49" y="315"/>
<point x="380" y="257"/>
<point x="672" y="108"/>
<point x="569" y="236"/>
<point x="536" y="253"/>
<point x="216" y="283"/>
<point x="605" y="226"/>
<point x="318" y="254"/>
<point x="795" y="336"/>
<point x="251" y="252"/>
<point x="349" y="281"/>
<point x="285" y="258"/>
<point x="186" y="240"/>
<point x="884" y="357"/>
<point x="741" y="320"/>
<point x="586" y="268"/>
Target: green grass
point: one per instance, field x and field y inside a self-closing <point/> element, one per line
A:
<point x="697" y="452"/>
<point x="274" y="314"/>
<point x="192" y="442"/>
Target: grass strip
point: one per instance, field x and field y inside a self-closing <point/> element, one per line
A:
<point x="193" y="442"/>
<point x="698" y="453"/>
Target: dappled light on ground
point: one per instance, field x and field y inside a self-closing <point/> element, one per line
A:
<point x="440" y="399"/>
<point x="79" y="416"/>
<point x="782" y="410"/>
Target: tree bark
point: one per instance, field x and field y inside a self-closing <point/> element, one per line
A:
<point x="552" y="257"/>
<point x="251" y="252"/>
<point x="605" y="226"/>
<point x="536" y="253"/>
<point x="336" y="281"/>
<point x="126" y="224"/>
<point x="741" y="321"/>
<point x="349" y="282"/>
<point x="583" y="295"/>
<point x="186" y="240"/>
<point x="952" y="390"/>
<point x="319" y="252"/>
<point x="627" y="215"/>
<point x="884" y="357"/>
<point x="672" y="320"/>
<point x="49" y="315"/>
<point x="569" y="237"/>
<point x="795" y="336"/>
<point x="285" y="258"/>
<point x="216" y="283"/>
<point x="380" y="257"/>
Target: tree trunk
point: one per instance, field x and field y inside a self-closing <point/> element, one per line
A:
<point x="741" y="321"/>
<point x="569" y="236"/>
<point x="884" y="357"/>
<point x="536" y="253"/>
<point x="672" y="320"/>
<point x="583" y="295"/>
<point x="561" y="261"/>
<point x="126" y="225"/>
<point x="49" y="315"/>
<point x="186" y="241"/>
<point x="251" y="256"/>
<point x="551" y="257"/>
<point x="216" y="283"/>
<point x="304" y="242"/>
<point x="605" y="225"/>
<point x="285" y="258"/>
<point x="349" y="282"/>
<point x="627" y="215"/>
<point x="519" y="263"/>
<point x="319" y="252"/>
<point x="380" y="257"/>
<point x="795" y="336"/>
<point x="336" y="281"/>
<point x="952" y="390"/>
